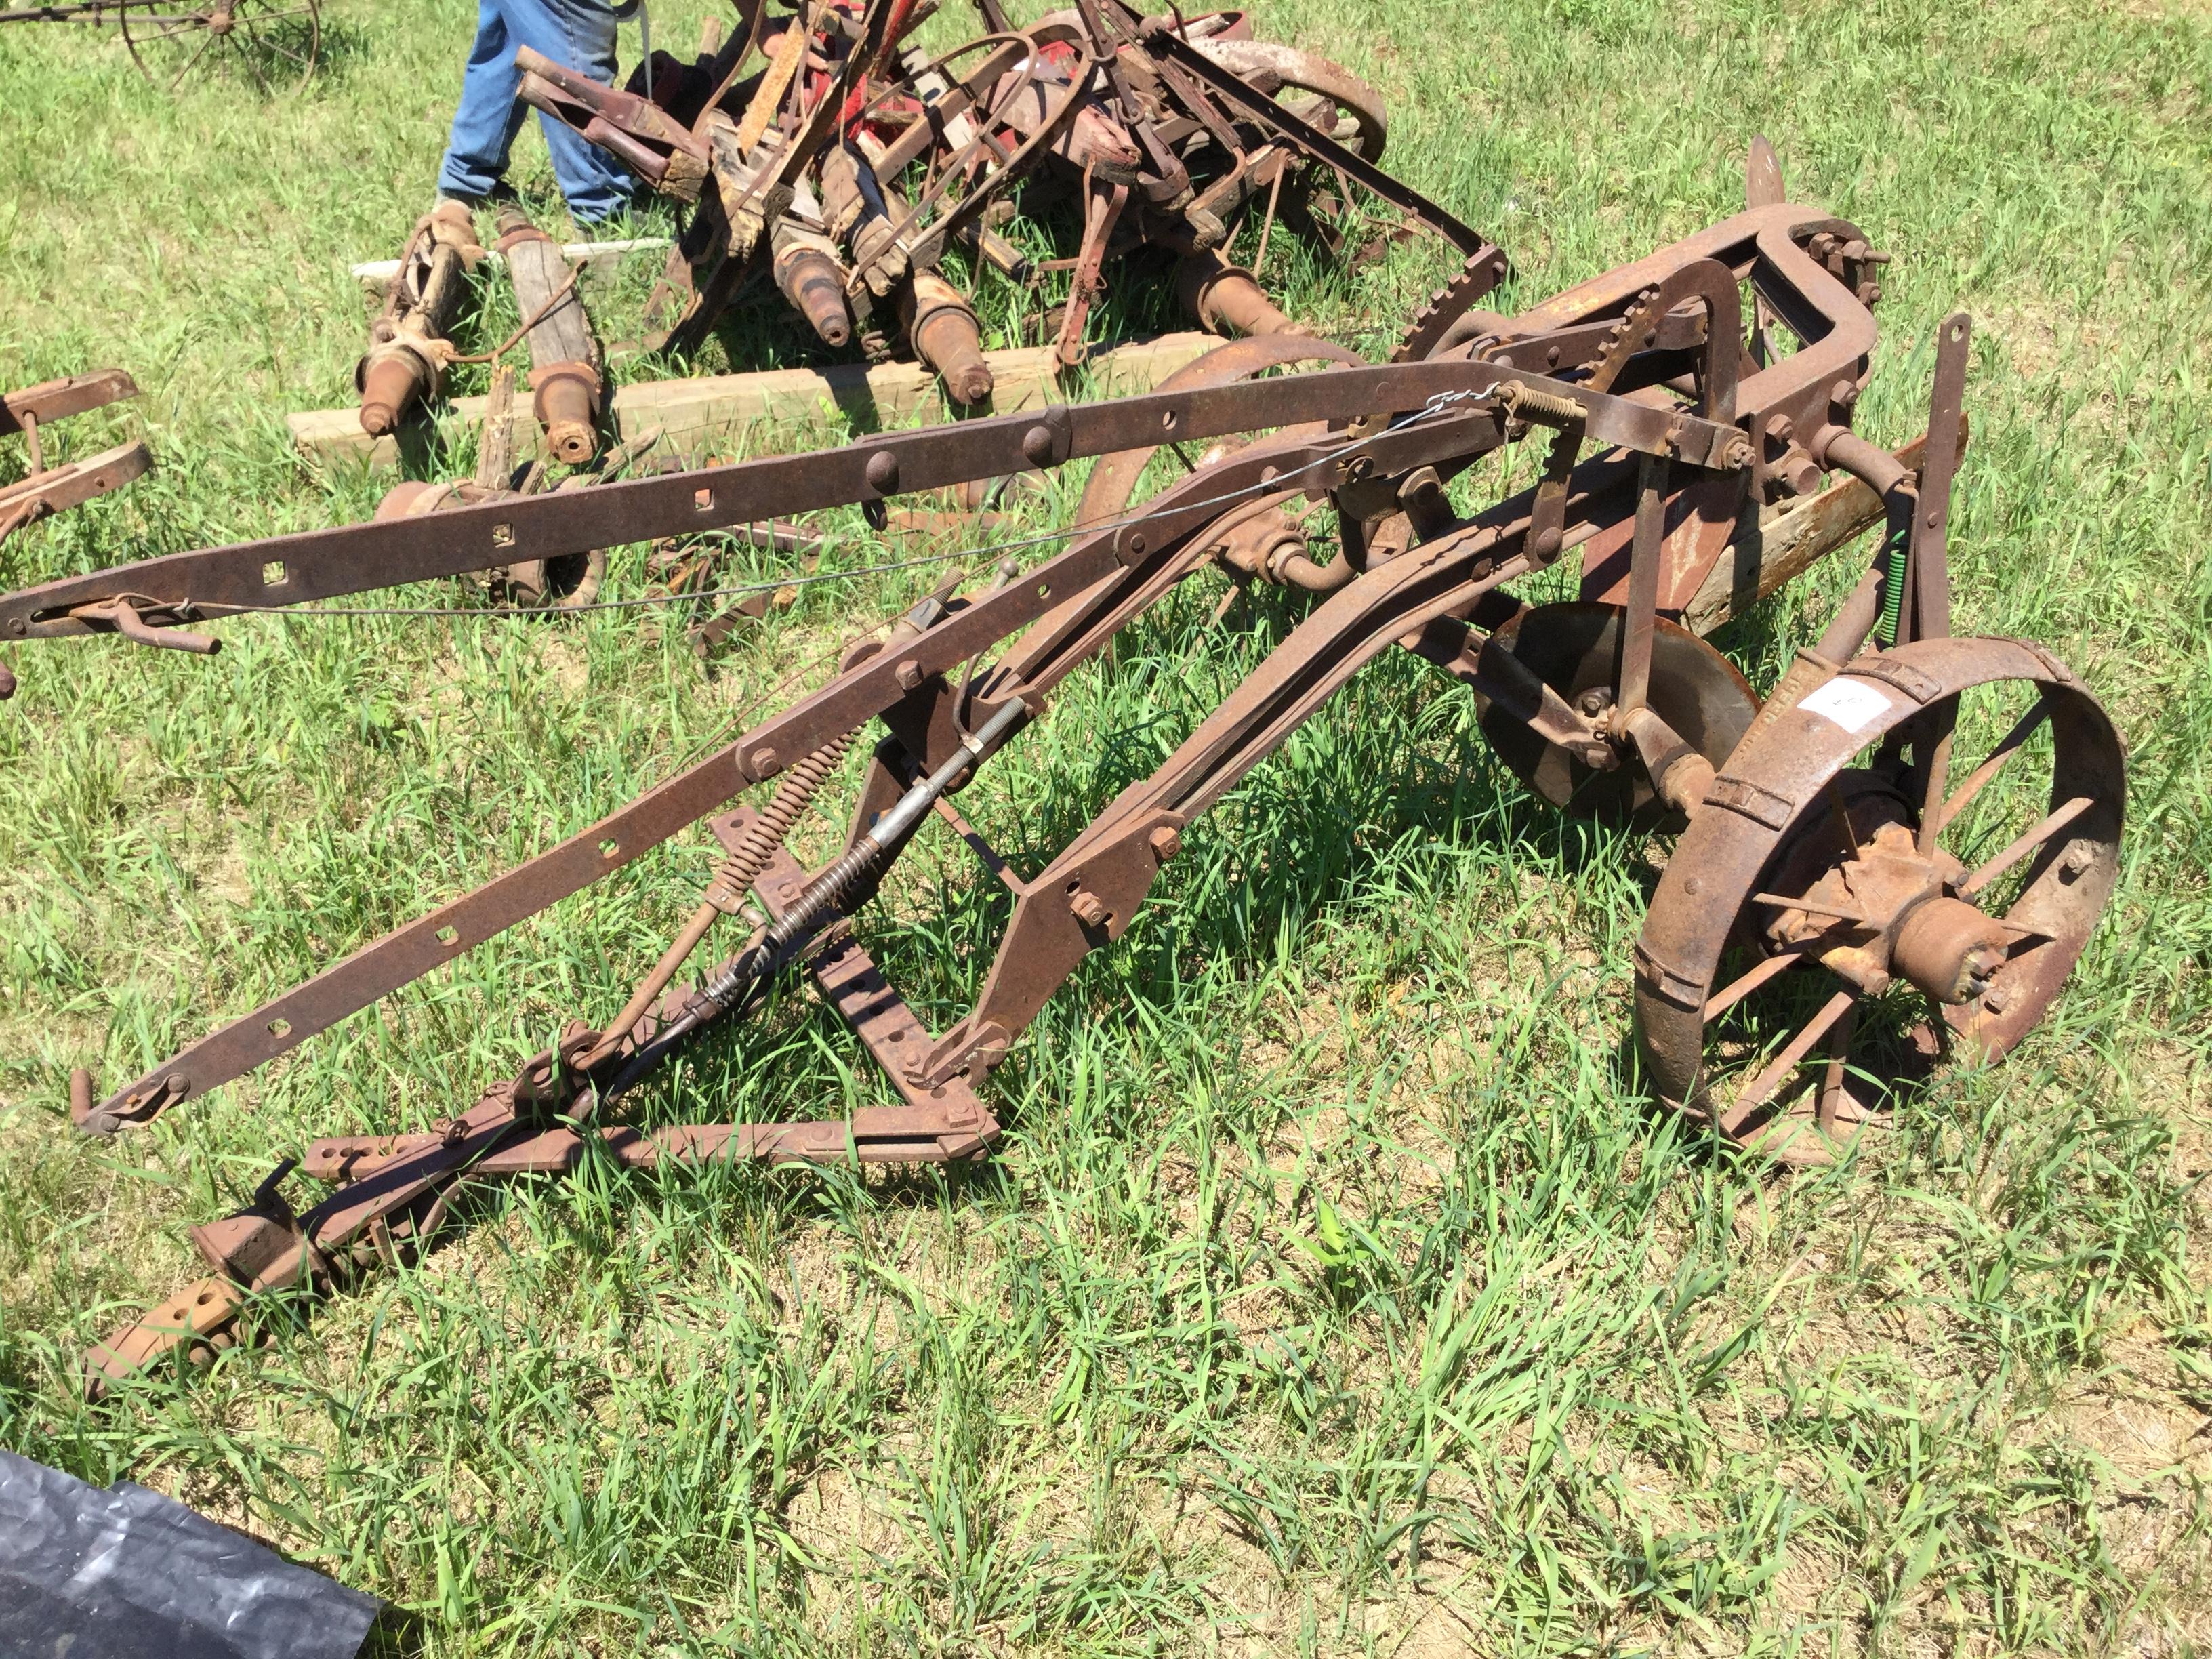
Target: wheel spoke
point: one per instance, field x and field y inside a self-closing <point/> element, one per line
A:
<point x="2008" y="747"/>
<point x="1833" y="1078"/>
<point x="1813" y="908"/>
<point x="2052" y="824"/>
<point x="1762" y="1087"/>
<point x="1736" y="990"/>
<point x="1934" y="771"/>
<point x="178" y="78"/>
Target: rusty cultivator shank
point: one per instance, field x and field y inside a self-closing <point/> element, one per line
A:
<point x="1845" y="900"/>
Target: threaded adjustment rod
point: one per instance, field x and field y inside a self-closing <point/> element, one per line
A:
<point x="826" y="893"/>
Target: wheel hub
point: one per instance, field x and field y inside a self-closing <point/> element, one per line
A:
<point x="1950" y="950"/>
<point x="1856" y="892"/>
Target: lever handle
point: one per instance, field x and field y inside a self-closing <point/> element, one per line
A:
<point x="126" y="619"/>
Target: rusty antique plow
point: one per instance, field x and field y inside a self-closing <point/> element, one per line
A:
<point x="1865" y="877"/>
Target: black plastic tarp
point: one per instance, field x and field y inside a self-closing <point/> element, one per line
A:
<point x="86" y="1574"/>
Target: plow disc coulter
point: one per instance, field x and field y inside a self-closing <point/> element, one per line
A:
<point x="1863" y="879"/>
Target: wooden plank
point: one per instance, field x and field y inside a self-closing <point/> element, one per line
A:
<point x="715" y="415"/>
<point x="1786" y="547"/>
<point x="373" y="274"/>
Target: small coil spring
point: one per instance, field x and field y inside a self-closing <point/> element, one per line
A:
<point x="1530" y="403"/>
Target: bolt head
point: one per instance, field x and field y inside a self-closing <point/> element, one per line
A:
<point x="1088" y="909"/>
<point x="1166" y="841"/>
<point x="763" y="761"/>
<point x="909" y="675"/>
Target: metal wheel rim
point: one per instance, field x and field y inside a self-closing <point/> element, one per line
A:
<point x="275" y="43"/>
<point x="1326" y="82"/>
<point x="1779" y="789"/>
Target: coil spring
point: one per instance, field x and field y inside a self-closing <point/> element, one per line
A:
<point x="737" y="872"/>
<point x="829" y="892"/>
<point x="1527" y="400"/>
<point x="1892" y="598"/>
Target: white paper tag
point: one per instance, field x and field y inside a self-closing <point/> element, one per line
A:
<point x="1850" y="702"/>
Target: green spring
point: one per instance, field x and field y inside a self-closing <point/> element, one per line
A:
<point x="1893" y="595"/>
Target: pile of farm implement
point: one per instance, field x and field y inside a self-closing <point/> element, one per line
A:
<point x="1846" y="899"/>
<point x="845" y="166"/>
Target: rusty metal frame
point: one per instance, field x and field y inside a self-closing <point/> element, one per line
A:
<point x="1649" y="364"/>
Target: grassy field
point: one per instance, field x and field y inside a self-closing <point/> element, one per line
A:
<point x="1336" y="1291"/>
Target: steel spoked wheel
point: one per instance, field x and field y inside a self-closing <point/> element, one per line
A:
<point x="273" y="44"/>
<point x="1316" y="201"/>
<point x="1320" y="93"/>
<point x="1865" y="891"/>
<point x="1113" y="481"/>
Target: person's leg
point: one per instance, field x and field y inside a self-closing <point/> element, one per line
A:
<point x="489" y="116"/>
<point x="579" y="33"/>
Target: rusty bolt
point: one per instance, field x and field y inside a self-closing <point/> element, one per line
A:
<point x="2076" y="860"/>
<point x="1166" y="842"/>
<point x="763" y="761"/>
<point x="1037" y="446"/>
<point x="1593" y="701"/>
<point x="883" y="472"/>
<point x="909" y="675"/>
<point x="1090" y="909"/>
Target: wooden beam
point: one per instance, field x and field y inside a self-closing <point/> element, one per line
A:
<point x="713" y="415"/>
<point x="373" y="274"/>
<point x="1788" y="545"/>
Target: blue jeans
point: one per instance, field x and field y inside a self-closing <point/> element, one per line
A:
<point x="577" y="33"/>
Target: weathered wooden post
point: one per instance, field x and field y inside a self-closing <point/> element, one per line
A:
<point x="564" y="373"/>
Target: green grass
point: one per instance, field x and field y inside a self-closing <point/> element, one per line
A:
<point x="1335" y="1291"/>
